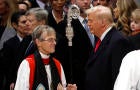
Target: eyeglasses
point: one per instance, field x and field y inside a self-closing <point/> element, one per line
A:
<point x="49" y="40"/>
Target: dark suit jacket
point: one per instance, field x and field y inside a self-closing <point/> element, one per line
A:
<point x="13" y="53"/>
<point x="102" y="67"/>
<point x="34" y="3"/>
<point x="73" y="58"/>
<point x="27" y="46"/>
<point x="10" y="52"/>
<point x="81" y="50"/>
<point x="135" y="40"/>
<point x="77" y="56"/>
<point x="60" y="49"/>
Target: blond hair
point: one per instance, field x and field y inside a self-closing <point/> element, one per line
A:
<point x="136" y="14"/>
<point x="125" y="8"/>
<point x="12" y="7"/>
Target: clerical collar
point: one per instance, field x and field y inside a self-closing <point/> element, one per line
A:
<point x="44" y="56"/>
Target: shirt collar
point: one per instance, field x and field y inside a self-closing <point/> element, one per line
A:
<point x="20" y="38"/>
<point x="103" y="35"/>
<point x="44" y="56"/>
<point x="81" y="19"/>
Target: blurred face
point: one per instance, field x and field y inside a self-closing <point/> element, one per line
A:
<point x="21" y="27"/>
<point x="99" y="2"/>
<point x="135" y="25"/>
<point x="32" y="22"/>
<point x="83" y="4"/>
<point x="22" y="7"/>
<point x="94" y="24"/>
<point x="58" y="4"/>
<point x="47" y="45"/>
<point x="28" y="2"/>
<point x="3" y="7"/>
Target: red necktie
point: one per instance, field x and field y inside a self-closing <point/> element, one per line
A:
<point x="46" y="61"/>
<point x="97" y="45"/>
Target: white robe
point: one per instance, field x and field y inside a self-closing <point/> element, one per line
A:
<point x="129" y="75"/>
<point x="22" y="82"/>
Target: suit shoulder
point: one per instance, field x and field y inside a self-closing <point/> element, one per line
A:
<point x="11" y="41"/>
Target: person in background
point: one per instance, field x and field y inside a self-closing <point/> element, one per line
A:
<point x="11" y="47"/>
<point x="44" y="4"/>
<point x="107" y="3"/>
<point x="7" y="8"/>
<point x="28" y="2"/>
<point x="103" y="65"/>
<point x="135" y="27"/>
<point x="76" y="56"/>
<point x="100" y="2"/>
<point x="57" y="20"/>
<point x="57" y="13"/>
<point x="113" y="3"/>
<point x="125" y="9"/>
<point x="129" y="74"/>
<point x="135" y="22"/>
<point x="35" y="17"/>
<point x="40" y="70"/>
<point x="70" y="57"/>
<point x="22" y="6"/>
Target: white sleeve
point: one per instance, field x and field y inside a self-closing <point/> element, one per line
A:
<point x="129" y="74"/>
<point x="64" y="83"/>
<point x="22" y="82"/>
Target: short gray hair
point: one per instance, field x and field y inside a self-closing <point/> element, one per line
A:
<point x="39" y="30"/>
<point x="40" y="14"/>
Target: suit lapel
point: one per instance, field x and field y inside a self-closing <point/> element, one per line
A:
<point x="102" y="47"/>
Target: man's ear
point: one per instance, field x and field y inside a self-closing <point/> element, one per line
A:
<point x="37" y="42"/>
<point x="103" y="21"/>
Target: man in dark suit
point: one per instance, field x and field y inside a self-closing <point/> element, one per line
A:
<point x="103" y="66"/>
<point x="11" y="48"/>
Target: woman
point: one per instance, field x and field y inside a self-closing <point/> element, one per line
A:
<point x="125" y="8"/>
<point x="7" y="8"/>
